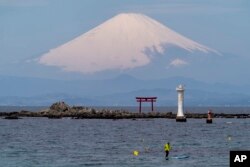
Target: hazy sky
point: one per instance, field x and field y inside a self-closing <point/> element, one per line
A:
<point x="30" y="28"/>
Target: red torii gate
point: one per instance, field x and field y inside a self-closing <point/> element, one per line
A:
<point x="146" y="99"/>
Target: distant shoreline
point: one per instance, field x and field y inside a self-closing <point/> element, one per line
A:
<point x="61" y="109"/>
<point x="146" y="109"/>
<point x="109" y="114"/>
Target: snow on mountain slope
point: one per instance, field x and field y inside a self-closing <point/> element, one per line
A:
<point x="119" y="43"/>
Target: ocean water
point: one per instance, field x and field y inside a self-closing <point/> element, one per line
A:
<point x="42" y="142"/>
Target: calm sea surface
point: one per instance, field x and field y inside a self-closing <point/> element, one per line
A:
<point x="42" y="142"/>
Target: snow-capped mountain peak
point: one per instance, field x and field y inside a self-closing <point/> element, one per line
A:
<point x="119" y="43"/>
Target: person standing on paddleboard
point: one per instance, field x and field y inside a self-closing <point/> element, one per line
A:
<point x="167" y="148"/>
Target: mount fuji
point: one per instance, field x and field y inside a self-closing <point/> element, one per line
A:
<point x="126" y="41"/>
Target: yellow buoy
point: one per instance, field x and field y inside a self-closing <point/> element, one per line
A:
<point x="136" y="153"/>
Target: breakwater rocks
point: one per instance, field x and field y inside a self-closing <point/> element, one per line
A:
<point x="60" y="109"/>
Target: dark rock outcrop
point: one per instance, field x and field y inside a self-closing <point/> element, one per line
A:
<point x="60" y="106"/>
<point x="12" y="117"/>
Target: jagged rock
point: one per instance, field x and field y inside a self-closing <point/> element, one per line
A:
<point x="60" y="106"/>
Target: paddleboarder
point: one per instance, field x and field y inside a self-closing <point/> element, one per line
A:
<point x="167" y="148"/>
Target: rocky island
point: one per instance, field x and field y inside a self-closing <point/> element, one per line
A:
<point x="61" y="109"/>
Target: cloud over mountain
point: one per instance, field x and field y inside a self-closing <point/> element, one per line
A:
<point x="122" y="42"/>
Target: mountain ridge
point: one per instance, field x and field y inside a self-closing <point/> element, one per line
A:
<point x="120" y="90"/>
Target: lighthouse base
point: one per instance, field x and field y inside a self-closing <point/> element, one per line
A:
<point x="209" y="121"/>
<point x="181" y="119"/>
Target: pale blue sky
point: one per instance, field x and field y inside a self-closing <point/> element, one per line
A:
<point x="29" y="28"/>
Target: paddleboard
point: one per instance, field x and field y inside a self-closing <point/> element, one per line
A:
<point x="180" y="157"/>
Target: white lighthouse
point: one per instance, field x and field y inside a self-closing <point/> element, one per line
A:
<point x="180" y="117"/>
